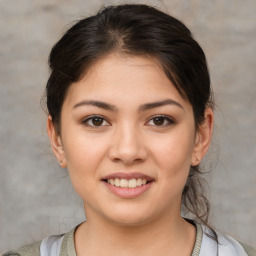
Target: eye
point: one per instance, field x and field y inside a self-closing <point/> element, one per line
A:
<point x="160" y="120"/>
<point x="95" y="121"/>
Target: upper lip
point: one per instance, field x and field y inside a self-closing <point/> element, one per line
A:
<point x="128" y="176"/>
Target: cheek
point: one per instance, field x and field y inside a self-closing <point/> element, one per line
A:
<point x="173" y="160"/>
<point x="174" y="154"/>
<point x="84" y="155"/>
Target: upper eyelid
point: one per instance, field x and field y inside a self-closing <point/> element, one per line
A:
<point x="87" y="118"/>
<point x="170" y="121"/>
<point x="161" y="115"/>
<point x="92" y="116"/>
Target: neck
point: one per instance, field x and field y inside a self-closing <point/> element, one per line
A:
<point x="97" y="236"/>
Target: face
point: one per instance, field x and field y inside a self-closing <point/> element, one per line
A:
<point x="128" y="139"/>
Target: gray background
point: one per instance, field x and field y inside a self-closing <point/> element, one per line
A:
<point x="36" y="198"/>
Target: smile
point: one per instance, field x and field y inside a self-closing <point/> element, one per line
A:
<point x="128" y="184"/>
<point x="124" y="183"/>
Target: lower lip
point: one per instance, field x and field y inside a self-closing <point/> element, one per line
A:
<point x="128" y="192"/>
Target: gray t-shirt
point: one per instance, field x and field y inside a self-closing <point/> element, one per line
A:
<point x="63" y="245"/>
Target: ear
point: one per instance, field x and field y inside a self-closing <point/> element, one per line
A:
<point x="203" y="137"/>
<point x="56" y="143"/>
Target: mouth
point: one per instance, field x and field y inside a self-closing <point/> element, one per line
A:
<point x="128" y="185"/>
<point x="125" y="183"/>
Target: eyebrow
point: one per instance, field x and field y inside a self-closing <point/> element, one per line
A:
<point x="99" y="104"/>
<point x="157" y="104"/>
<point x="144" y="107"/>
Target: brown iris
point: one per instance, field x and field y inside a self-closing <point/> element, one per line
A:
<point x="159" y="120"/>
<point x="97" y="121"/>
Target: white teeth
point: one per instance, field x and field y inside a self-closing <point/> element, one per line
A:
<point x="117" y="182"/>
<point x="132" y="183"/>
<point x="124" y="183"/>
<point x="139" y="182"/>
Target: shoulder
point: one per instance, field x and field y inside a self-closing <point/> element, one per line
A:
<point x="62" y="245"/>
<point x="26" y="250"/>
<point x="248" y="249"/>
<point x="226" y="246"/>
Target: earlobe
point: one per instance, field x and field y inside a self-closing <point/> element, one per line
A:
<point x="203" y="137"/>
<point x="56" y="143"/>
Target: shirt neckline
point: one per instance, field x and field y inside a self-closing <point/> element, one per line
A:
<point x="71" y="251"/>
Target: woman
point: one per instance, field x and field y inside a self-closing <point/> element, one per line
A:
<point x="131" y="117"/>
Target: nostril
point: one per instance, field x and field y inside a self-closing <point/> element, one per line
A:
<point x="127" y="150"/>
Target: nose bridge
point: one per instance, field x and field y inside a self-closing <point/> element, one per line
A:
<point x="128" y="144"/>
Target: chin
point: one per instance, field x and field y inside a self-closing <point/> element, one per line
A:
<point x="129" y="221"/>
<point x="129" y="216"/>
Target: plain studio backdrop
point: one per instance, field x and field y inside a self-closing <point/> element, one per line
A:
<point x="36" y="197"/>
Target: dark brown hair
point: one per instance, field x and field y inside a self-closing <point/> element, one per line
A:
<point x="136" y="30"/>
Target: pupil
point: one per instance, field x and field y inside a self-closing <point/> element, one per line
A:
<point x="158" y="121"/>
<point x="97" y="121"/>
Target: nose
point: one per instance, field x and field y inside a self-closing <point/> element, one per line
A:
<point x="128" y="146"/>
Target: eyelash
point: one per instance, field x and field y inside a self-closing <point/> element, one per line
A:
<point x="93" y="117"/>
<point x="167" y="121"/>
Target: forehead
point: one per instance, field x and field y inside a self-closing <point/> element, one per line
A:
<point x="125" y="79"/>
